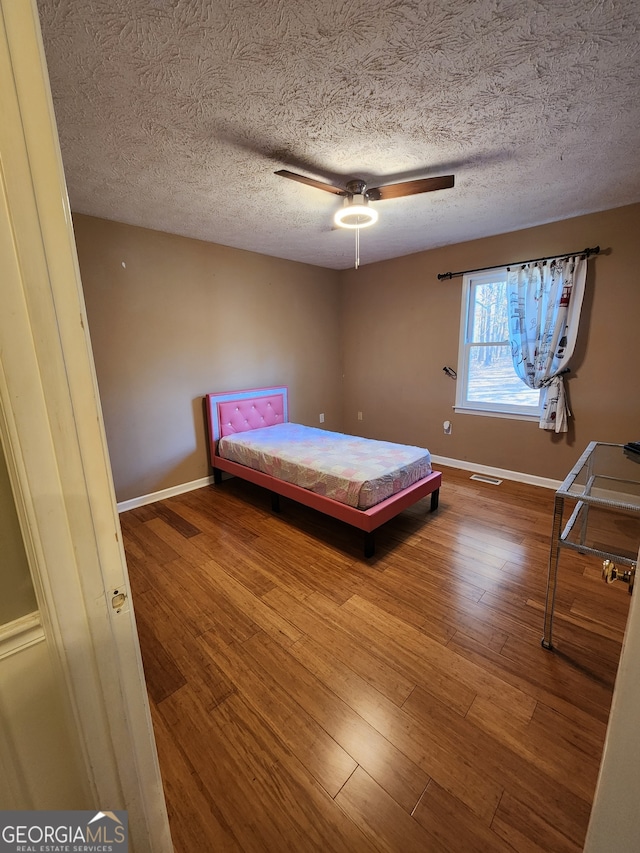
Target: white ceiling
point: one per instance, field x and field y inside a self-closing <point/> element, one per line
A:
<point x="174" y="115"/>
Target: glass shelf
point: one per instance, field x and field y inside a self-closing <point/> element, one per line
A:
<point x="604" y="486"/>
<point x="605" y="474"/>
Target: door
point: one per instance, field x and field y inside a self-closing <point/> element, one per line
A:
<point x="53" y="438"/>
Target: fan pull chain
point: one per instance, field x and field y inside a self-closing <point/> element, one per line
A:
<point x="357" y="230"/>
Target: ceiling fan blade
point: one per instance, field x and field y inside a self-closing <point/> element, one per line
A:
<point x="424" y="185"/>
<point x="310" y="182"/>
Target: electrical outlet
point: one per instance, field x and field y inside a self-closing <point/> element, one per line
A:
<point x="322" y="418"/>
<point x="359" y="416"/>
<point x="447" y="427"/>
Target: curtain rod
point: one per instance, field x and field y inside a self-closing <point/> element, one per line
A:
<point x="585" y="252"/>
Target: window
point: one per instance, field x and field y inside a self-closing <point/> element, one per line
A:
<point x="487" y="381"/>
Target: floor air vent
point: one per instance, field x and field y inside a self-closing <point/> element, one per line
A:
<point x="484" y="479"/>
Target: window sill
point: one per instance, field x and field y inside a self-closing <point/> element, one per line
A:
<point x="485" y="413"/>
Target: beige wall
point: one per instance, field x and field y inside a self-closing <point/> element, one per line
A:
<point x="400" y="327"/>
<point x="184" y="318"/>
<point x="18" y="598"/>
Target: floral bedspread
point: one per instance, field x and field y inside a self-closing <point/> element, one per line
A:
<point x="356" y="471"/>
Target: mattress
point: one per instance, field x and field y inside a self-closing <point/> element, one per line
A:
<point x="356" y="471"/>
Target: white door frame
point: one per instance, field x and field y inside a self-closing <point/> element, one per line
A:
<point x="53" y="437"/>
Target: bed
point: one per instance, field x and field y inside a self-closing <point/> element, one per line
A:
<point x="250" y="436"/>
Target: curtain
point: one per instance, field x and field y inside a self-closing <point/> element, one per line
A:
<point x="545" y="300"/>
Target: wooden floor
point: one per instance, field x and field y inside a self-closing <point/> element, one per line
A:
<point x="305" y="699"/>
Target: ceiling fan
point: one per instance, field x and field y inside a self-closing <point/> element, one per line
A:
<point x="356" y="212"/>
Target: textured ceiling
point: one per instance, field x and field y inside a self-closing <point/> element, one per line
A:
<point x="174" y="115"/>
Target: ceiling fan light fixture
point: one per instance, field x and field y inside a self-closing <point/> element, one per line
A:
<point x="355" y="213"/>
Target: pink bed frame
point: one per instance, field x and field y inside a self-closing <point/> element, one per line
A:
<point x="238" y="411"/>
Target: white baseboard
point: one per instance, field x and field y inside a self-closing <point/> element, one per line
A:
<point x="123" y="506"/>
<point x="500" y="473"/>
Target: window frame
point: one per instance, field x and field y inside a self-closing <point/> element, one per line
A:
<point x="465" y="345"/>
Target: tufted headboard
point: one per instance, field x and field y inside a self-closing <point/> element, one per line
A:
<point x="239" y="411"/>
